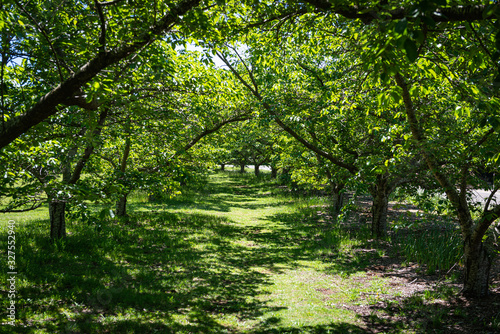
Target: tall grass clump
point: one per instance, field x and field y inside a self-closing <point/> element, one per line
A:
<point x="438" y="249"/>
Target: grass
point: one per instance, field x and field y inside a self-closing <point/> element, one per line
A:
<point x="234" y="255"/>
<point x="438" y="247"/>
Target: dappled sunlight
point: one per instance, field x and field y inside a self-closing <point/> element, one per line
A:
<point x="221" y="261"/>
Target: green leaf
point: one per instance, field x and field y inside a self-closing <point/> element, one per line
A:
<point x="396" y="96"/>
<point x="429" y="21"/>
<point x="494" y="122"/>
<point x="411" y="50"/>
<point x="489" y="11"/>
<point x="401" y="26"/>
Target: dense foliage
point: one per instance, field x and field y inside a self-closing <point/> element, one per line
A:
<point x="101" y="98"/>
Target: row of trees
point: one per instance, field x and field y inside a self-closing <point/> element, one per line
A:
<point x="370" y="96"/>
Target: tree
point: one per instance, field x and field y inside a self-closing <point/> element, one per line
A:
<point x="249" y="143"/>
<point x="313" y="92"/>
<point x="154" y="145"/>
<point x="447" y="89"/>
<point x="53" y="166"/>
<point x="423" y="47"/>
<point x="65" y="47"/>
<point x="478" y="251"/>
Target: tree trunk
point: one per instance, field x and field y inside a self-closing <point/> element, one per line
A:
<point x="257" y="170"/>
<point x="476" y="250"/>
<point x="274" y="172"/>
<point x="337" y="202"/>
<point x="222" y="166"/>
<point x="242" y="168"/>
<point x="57" y="222"/>
<point x="379" y="216"/>
<point x="121" y="206"/>
<point x="380" y="206"/>
<point x="477" y="269"/>
<point x="338" y="197"/>
<point x="121" y="203"/>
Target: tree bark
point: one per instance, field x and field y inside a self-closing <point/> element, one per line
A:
<point x="380" y="193"/>
<point x="274" y="172"/>
<point x="222" y="167"/>
<point x="121" y="206"/>
<point x="257" y="170"/>
<point x="121" y="203"/>
<point x="477" y="269"/>
<point x="337" y="202"/>
<point x="242" y="168"/>
<point x="337" y="196"/>
<point x="57" y="211"/>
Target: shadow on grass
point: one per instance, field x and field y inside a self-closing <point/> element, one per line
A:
<point x="333" y="328"/>
<point x="159" y="272"/>
<point x="314" y="236"/>
<point x="183" y="272"/>
<point x="436" y="311"/>
<point x="230" y="190"/>
<point x="166" y="272"/>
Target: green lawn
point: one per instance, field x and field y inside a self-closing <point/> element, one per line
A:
<point x="238" y="255"/>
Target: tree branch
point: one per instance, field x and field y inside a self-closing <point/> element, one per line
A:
<point x="256" y="88"/>
<point x="314" y="73"/>
<point x="47" y="105"/>
<point x="480" y="41"/>
<point x="217" y="127"/>
<point x="468" y="13"/>
<point x="102" y="35"/>
<point x="487" y="204"/>
<point x="459" y="202"/>
<point x="75" y="176"/>
<point x="236" y="74"/>
<point x="33" y="207"/>
<point x="487" y="218"/>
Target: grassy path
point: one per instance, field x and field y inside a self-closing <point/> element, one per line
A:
<point x="237" y="256"/>
<point x="268" y="239"/>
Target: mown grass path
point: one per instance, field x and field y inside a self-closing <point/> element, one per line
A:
<point x="273" y="254"/>
<point x="235" y="256"/>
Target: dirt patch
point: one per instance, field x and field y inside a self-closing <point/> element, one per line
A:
<point x="423" y="303"/>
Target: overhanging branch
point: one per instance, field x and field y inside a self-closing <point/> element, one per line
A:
<point x="47" y="104"/>
<point x="469" y="13"/>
